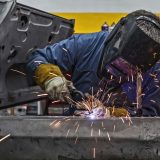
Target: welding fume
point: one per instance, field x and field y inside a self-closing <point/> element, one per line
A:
<point x="104" y="74"/>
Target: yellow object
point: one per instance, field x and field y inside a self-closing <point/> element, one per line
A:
<point x="118" y="112"/>
<point x="46" y="72"/>
<point x="92" y="22"/>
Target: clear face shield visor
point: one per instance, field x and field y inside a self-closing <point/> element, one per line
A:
<point x="120" y="70"/>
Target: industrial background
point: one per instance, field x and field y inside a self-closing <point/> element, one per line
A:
<point x="91" y="14"/>
<point x="33" y="127"/>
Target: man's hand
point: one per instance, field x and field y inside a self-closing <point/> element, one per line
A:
<point x="118" y="112"/>
<point x="57" y="88"/>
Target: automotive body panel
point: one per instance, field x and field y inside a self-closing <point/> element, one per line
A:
<point x="22" y="30"/>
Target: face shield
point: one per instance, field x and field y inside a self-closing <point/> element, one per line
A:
<point x="133" y="45"/>
<point x="120" y="70"/>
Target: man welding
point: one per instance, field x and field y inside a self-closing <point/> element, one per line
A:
<point x="121" y="66"/>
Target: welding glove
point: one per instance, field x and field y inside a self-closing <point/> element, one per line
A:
<point x="51" y="79"/>
<point x="118" y="112"/>
<point x="57" y="88"/>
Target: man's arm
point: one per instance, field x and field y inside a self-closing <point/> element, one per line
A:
<point x="61" y="54"/>
<point x="47" y="65"/>
<point x="66" y="53"/>
<point x="151" y="90"/>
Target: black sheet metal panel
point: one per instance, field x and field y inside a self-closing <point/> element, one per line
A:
<point x="22" y="30"/>
<point x="72" y="138"/>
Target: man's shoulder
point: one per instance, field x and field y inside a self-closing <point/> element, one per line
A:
<point x="92" y="35"/>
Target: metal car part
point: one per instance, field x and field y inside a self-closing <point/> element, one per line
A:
<point x="22" y="30"/>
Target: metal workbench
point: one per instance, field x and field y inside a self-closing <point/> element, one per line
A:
<point x="73" y="138"/>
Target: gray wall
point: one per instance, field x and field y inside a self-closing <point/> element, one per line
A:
<point x="93" y="5"/>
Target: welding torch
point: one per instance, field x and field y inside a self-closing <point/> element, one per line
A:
<point x="77" y="95"/>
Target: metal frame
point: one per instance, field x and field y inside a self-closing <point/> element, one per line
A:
<point x="22" y="30"/>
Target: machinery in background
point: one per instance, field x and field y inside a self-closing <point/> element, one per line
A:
<point x="22" y="30"/>
<point x="106" y="27"/>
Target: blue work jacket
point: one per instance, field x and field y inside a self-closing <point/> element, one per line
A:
<point x="80" y="54"/>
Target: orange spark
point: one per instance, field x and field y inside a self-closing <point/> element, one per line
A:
<point x="91" y="132"/>
<point x="77" y="128"/>
<point x="94" y="152"/>
<point x="91" y="124"/>
<point x="53" y="102"/>
<point x="108" y="136"/>
<point x="18" y="71"/>
<point x="114" y="128"/>
<point x="52" y="123"/>
<point x="153" y="101"/>
<point x="99" y="133"/>
<point x="57" y="124"/>
<point x="8" y="135"/>
<point x="76" y="140"/>
<point x="40" y="95"/>
<point x="102" y="125"/>
<point x="67" y="133"/>
<point x="76" y="123"/>
<point x="122" y="119"/>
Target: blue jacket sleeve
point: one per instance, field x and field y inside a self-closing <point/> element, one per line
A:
<point x="61" y="54"/>
<point x="65" y="54"/>
<point x="151" y="90"/>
